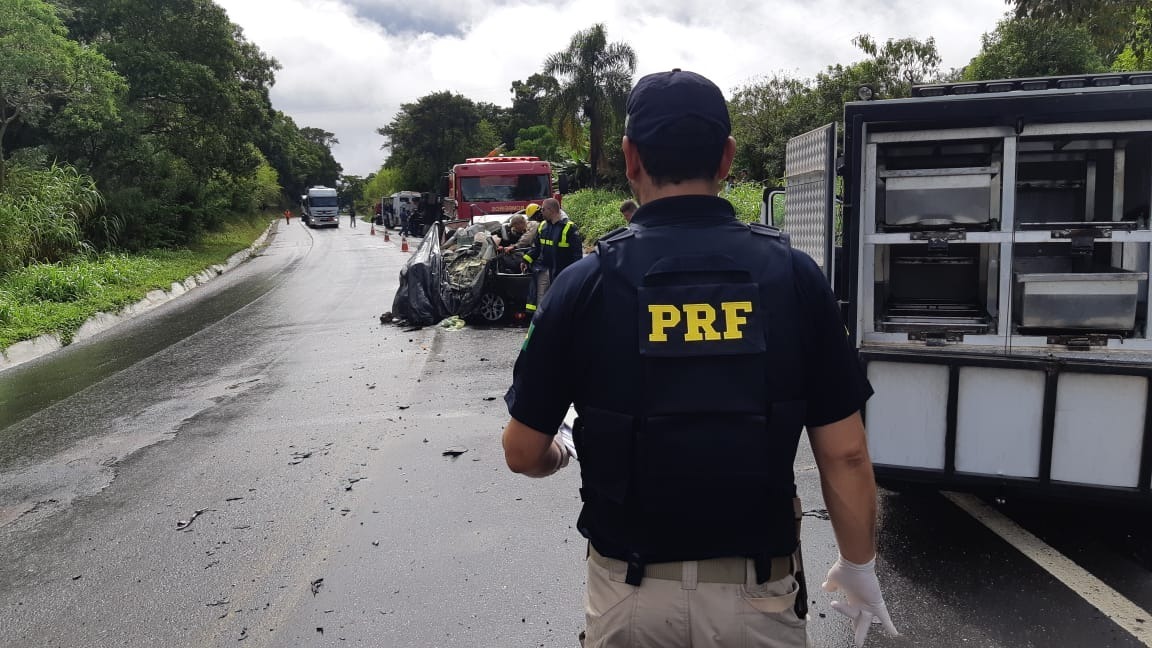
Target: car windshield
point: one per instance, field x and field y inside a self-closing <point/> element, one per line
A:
<point x="322" y="201"/>
<point x="504" y="188"/>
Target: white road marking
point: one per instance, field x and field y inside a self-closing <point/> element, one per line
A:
<point x="1125" y="613"/>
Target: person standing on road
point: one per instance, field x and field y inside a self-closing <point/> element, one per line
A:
<point x="695" y="349"/>
<point x="288" y="216"/>
<point x="352" y="215"/>
<point x="557" y="246"/>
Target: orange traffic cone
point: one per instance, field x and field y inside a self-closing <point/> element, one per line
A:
<point x="403" y="243"/>
<point x="373" y="231"/>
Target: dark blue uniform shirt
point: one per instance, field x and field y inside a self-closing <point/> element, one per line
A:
<point x="569" y="346"/>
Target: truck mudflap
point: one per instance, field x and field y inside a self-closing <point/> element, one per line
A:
<point x="1032" y="425"/>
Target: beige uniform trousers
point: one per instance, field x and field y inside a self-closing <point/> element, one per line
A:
<point x="687" y="613"/>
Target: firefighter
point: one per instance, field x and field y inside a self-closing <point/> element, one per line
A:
<point x="557" y="245"/>
<point x="696" y="349"/>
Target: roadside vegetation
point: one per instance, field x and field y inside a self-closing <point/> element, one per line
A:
<point x="149" y="140"/>
<point x="597" y="211"/>
<point x="59" y="297"/>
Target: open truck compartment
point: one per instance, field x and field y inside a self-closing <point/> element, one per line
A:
<point x="994" y="274"/>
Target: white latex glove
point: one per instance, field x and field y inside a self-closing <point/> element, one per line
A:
<point x="566" y="453"/>
<point x="864" y="603"/>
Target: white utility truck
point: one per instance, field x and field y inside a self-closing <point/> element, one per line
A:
<point x="992" y="262"/>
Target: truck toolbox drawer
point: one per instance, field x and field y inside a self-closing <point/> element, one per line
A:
<point x="1052" y="293"/>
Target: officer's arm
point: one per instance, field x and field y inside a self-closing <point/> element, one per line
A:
<point x="530" y="452"/>
<point x="533" y="253"/>
<point x="849" y="487"/>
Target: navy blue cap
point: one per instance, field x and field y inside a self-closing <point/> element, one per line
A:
<point x="677" y="98"/>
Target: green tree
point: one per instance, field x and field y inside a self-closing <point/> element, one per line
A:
<point x="538" y="140"/>
<point x="430" y="135"/>
<point x="1137" y="55"/>
<point x="528" y="98"/>
<point x="767" y="112"/>
<point x="40" y="69"/>
<point x="1114" y="25"/>
<point x="319" y="136"/>
<point x="197" y="100"/>
<point x="381" y="184"/>
<point x="1028" y="47"/>
<point x="595" y="77"/>
<point x="897" y="65"/>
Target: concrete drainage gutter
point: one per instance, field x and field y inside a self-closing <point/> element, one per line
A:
<point x="22" y="352"/>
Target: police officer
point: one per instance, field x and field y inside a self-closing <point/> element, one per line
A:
<point x="696" y="349"/>
<point x="557" y="245"/>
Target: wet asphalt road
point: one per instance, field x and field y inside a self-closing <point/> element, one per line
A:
<point x="309" y="438"/>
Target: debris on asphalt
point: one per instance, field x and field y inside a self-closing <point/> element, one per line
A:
<point x="819" y="514"/>
<point x="233" y="499"/>
<point x="453" y="323"/>
<point x="181" y="525"/>
<point x="454" y="452"/>
<point x="489" y="398"/>
<point x="299" y="456"/>
<point x="243" y="634"/>
<point x="316" y="585"/>
<point x="403" y="407"/>
<point x="217" y="603"/>
<point x="375" y="543"/>
<point x="77" y="577"/>
<point x="352" y="480"/>
<point x="371" y="386"/>
<point x="387" y="318"/>
<point x="320" y="629"/>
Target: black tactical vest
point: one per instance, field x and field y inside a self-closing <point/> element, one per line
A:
<point x="696" y="461"/>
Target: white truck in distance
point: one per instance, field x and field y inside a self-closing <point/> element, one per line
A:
<point x="320" y="207"/>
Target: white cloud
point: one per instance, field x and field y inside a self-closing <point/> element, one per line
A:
<point x="349" y="64"/>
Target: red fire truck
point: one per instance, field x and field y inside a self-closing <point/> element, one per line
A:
<point x="496" y="186"/>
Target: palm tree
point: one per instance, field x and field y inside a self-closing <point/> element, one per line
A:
<point x="595" y="77"/>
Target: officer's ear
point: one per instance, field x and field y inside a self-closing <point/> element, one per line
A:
<point x="726" y="159"/>
<point x="633" y="168"/>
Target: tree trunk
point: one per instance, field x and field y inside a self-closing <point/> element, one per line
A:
<point x="595" y="144"/>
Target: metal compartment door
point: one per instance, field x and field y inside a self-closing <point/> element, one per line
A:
<point x="810" y="188"/>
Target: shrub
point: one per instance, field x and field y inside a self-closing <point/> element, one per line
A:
<point x="43" y="214"/>
<point x="6" y="306"/>
<point x="595" y="211"/>
<point x="55" y="283"/>
<point x="746" y="198"/>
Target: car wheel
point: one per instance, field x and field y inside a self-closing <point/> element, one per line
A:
<point x="492" y="307"/>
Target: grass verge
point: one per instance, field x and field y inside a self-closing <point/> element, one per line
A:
<point x="597" y="211"/>
<point x="58" y="298"/>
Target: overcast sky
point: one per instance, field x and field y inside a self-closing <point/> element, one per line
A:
<point x="349" y="64"/>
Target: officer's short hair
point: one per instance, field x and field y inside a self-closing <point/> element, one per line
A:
<point x="679" y="123"/>
<point x="518" y="219"/>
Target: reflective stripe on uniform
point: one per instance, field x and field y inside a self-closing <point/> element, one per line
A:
<point x="563" y="242"/>
<point x="530" y="307"/>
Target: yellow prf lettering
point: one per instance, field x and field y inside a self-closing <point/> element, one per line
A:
<point x="700" y="319"/>
<point x="664" y="316"/>
<point x="732" y="319"/>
